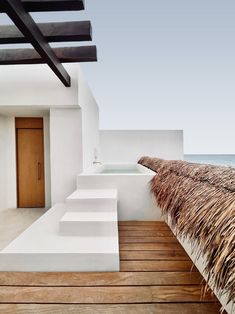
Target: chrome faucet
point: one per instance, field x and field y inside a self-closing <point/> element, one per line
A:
<point x="95" y="162"/>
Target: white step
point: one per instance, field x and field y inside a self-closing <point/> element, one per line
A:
<point x="92" y="200"/>
<point x="89" y="224"/>
<point x="42" y="248"/>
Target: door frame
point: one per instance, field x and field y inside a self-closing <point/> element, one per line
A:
<point x="29" y="123"/>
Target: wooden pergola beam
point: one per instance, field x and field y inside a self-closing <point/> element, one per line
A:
<point x="50" y="5"/>
<point x="28" y="27"/>
<point x="63" y="54"/>
<point x="53" y="32"/>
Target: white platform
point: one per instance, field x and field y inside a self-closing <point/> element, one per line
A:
<point x="42" y="248"/>
<point x="89" y="224"/>
<point x="135" y="201"/>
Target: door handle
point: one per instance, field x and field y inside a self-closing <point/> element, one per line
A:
<point x="39" y="171"/>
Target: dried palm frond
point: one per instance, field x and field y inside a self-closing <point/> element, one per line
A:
<point x="200" y="200"/>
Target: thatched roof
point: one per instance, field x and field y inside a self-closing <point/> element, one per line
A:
<point x="200" y="200"/>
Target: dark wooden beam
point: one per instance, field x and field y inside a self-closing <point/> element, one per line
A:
<point x="50" y="5"/>
<point x="28" y="27"/>
<point x="65" y="54"/>
<point x="53" y="32"/>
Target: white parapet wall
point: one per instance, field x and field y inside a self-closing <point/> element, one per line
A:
<point x="129" y="145"/>
<point x="200" y="263"/>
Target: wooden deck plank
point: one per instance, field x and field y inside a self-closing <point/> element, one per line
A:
<point x="174" y="255"/>
<point x="170" y="308"/>
<point x="150" y="246"/>
<point x="157" y="266"/>
<point x="99" y="279"/>
<point x="144" y="227"/>
<point x="145" y="233"/>
<point x="181" y="294"/>
<point x="141" y="223"/>
<point x="147" y="240"/>
<point x="122" y="295"/>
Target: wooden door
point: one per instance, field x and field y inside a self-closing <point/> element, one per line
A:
<point x="30" y="162"/>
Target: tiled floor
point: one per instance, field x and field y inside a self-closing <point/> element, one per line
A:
<point x="14" y="221"/>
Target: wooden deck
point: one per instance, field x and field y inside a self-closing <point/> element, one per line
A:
<point x="156" y="276"/>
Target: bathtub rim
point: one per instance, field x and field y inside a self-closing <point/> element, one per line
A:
<point x="97" y="169"/>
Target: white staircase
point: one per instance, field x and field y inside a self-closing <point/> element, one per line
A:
<point x="92" y="200"/>
<point x="91" y="213"/>
<point x="79" y="235"/>
<point x="89" y="224"/>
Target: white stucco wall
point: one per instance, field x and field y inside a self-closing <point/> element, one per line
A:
<point x="11" y="163"/>
<point x="29" y="91"/>
<point x="129" y="145"/>
<point x="74" y="136"/>
<point x="65" y="151"/>
<point x="36" y="85"/>
<point x="70" y="133"/>
<point x="7" y="163"/>
<point x="90" y="123"/>
<point x="47" y="163"/>
<point x="3" y="159"/>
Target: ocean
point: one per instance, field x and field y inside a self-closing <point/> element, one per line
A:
<point x="222" y="160"/>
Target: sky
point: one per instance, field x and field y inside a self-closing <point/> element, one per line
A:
<point x="163" y="64"/>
